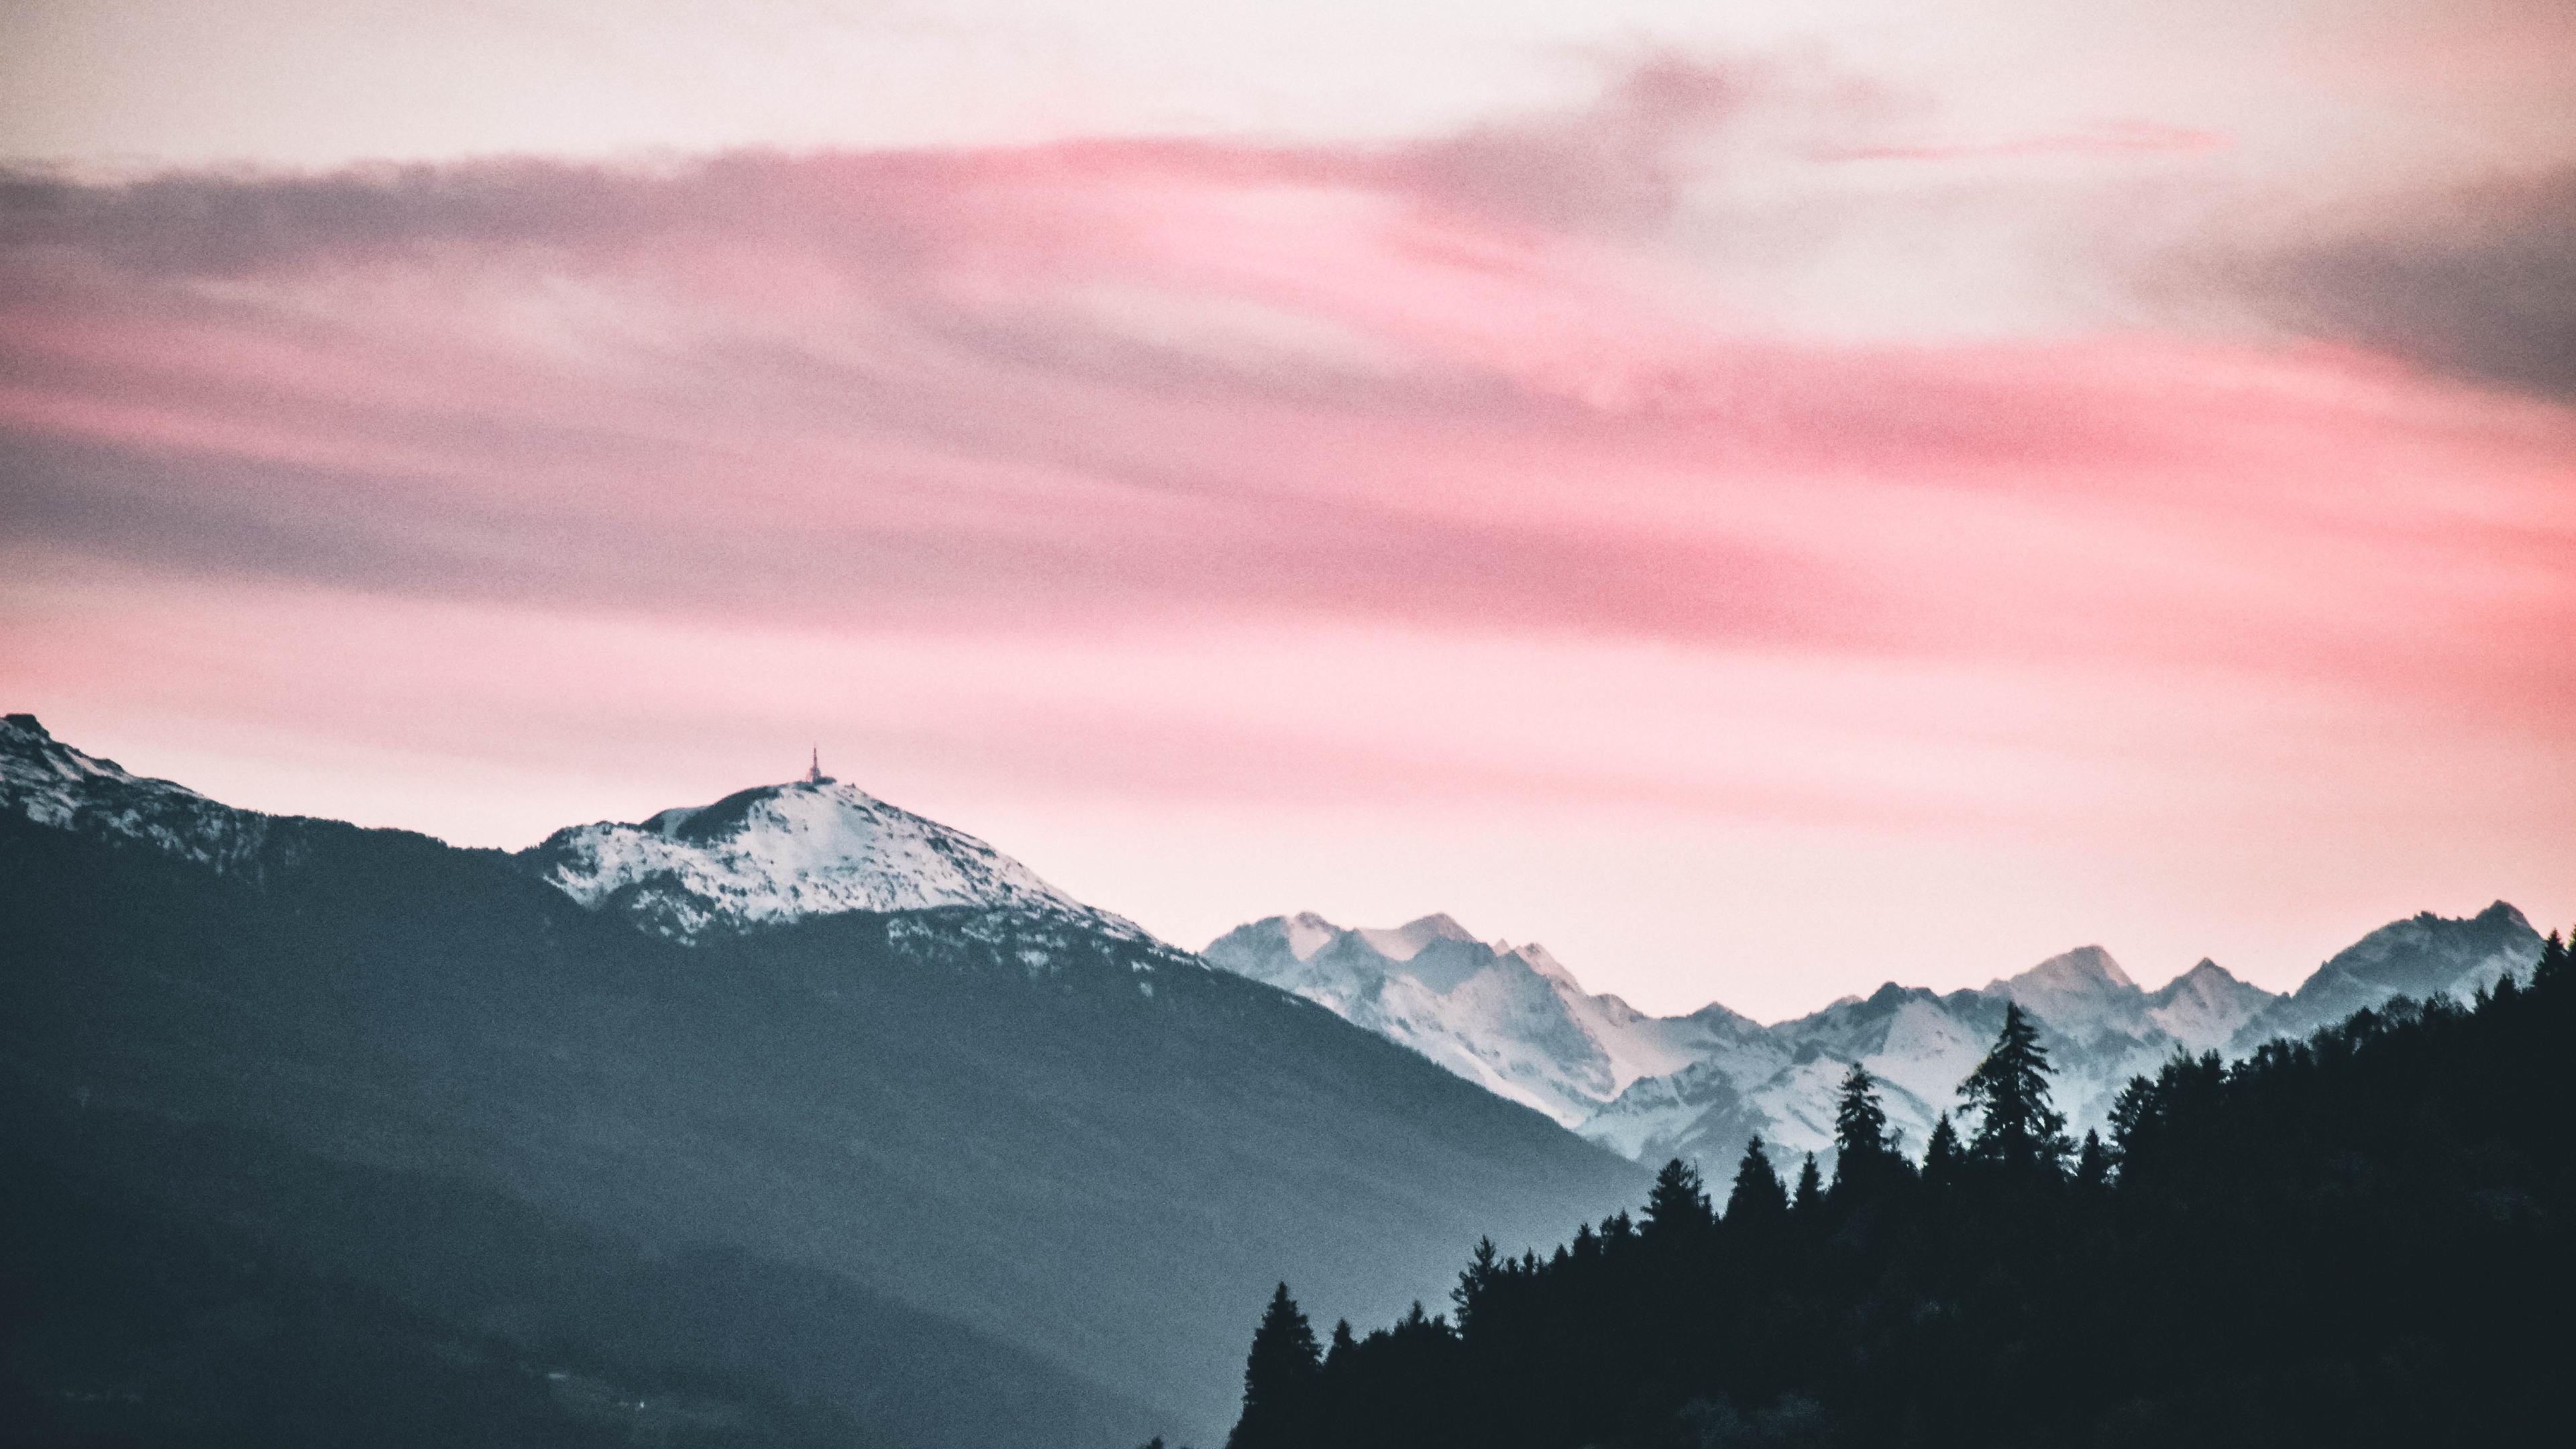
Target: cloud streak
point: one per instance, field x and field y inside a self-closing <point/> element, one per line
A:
<point x="1262" y="434"/>
<point x="2478" y="282"/>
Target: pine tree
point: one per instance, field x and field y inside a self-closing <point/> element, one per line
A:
<point x="1344" y="1344"/>
<point x="1941" y="1156"/>
<point x="1810" y="1196"/>
<point x="2018" y="1128"/>
<point x="2553" y="961"/>
<point x="1757" y="1196"/>
<point x="1483" y="1267"/>
<point x="1677" y="1205"/>
<point x="2132" y="1116"/>
<point x="2093" y="1164"/>
<point x="1278" y="1379"/>
<point x="1863" y="1156"/>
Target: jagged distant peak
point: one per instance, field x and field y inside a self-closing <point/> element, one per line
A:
<point x="777" y="853"/>
<point x="2084" y="968"/>
<point x="2206" y="978"/>
<point x="55" y="784"/>
<point x="1403" y="943"/>
<point x="1307" y="933"/>
<point x="1511" y="1018"/>
<point x="31" y="758"/>
<point x="1539" y="959"/>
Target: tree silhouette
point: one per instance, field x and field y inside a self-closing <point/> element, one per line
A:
<point x="1942" y="1155"/>
<point x="2018" y="1127"/>
<point x="1863" y="1156"/>
<point x="2357" y="1239"/>
<point x="1757" y="1196"/>
<point x="1278" y="1379"/>
<point x="1810" y="1197"/>
<point x="2553" y="960"/>
<point x="2093" y="1163"/>
<point x="1677" y="1205"/>
<point x="1484" y="1266"/>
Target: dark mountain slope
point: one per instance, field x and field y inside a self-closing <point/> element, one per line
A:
<point x="1086" y="1148"/>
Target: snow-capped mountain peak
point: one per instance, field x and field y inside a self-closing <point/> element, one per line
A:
<point x="1537" y="958"/>
<point x="2206" y="1006"/>
<point x="2079" y="992"/>
<point x="55" y="785"/>
<point x="1511" y="1018"/>
<point x="1403" y="943"/>
<point x="777" y="853"/>
<point x="2086" y="968"/>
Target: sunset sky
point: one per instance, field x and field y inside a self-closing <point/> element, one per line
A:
<point x="1762" y="499"/>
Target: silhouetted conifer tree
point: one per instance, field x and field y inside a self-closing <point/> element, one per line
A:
<point x="1677" y="1205"/>
<point x="2093" y="1163"/>
<point x="1757" y="1196"/>
<point x="1278" y="1379"/>
<point x="2308" y="1246"/>
<point x="1343" y="1344"/>
<point x="2130" y="1114"/>
<point x="1863" y="1155"/>
<point x="1941" y="1156"/>
<point x="1587" y="1244"/>
<point x="1476" y="1280"/>
<point x="2553" y="961"/>
<point x="1810" y="1197"/>
<point x="2018" y="1127"/>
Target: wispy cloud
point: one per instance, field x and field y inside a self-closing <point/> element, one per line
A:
<point x="1182" y="409"/>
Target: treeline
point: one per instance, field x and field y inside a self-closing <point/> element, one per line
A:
<point x="2357" y="1239"/>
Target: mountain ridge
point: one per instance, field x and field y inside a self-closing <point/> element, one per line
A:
<point x="1075" y="1142"/>
<point x="776" y="853"/>
<point x="1743" y="1078"/>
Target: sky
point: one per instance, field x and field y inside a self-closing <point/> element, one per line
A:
<point x="1763" y="500"/>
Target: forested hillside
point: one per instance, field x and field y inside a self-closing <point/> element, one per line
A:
<point x="2361" y="1238"/>
<point x="966" y="1176"/>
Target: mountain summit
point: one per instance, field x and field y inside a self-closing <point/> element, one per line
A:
<point x="779" y="853"/>
<point x="1510" y="1018"/>
<point x="52" y="784"/>
<point x="1515" y="1021"/>
<point x="796" y="1086"/>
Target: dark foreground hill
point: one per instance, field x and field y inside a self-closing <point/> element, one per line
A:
<point x="2360" y="1239"/>
<point x="927" y="1178"/>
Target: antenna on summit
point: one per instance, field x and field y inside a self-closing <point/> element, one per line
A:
<point x="814" y="773"/>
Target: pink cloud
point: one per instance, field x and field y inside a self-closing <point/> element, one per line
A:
<point x="2103" y="138"/>
<point x="1423" y="410"/>
<point x="569" y="445"/>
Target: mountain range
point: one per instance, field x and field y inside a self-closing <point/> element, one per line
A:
<point x="681" y="1130"/>
<point x="800" y="1118"/>
<point x="1514" y="1020"/>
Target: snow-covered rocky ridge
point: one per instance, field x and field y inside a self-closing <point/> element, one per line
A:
<point x="1509" y="1018"/>
<point x="1516" y="1021"/>
<point x="778" y="853"/>
<point x="53" y="784"/>
<point x="763" y="856"/>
